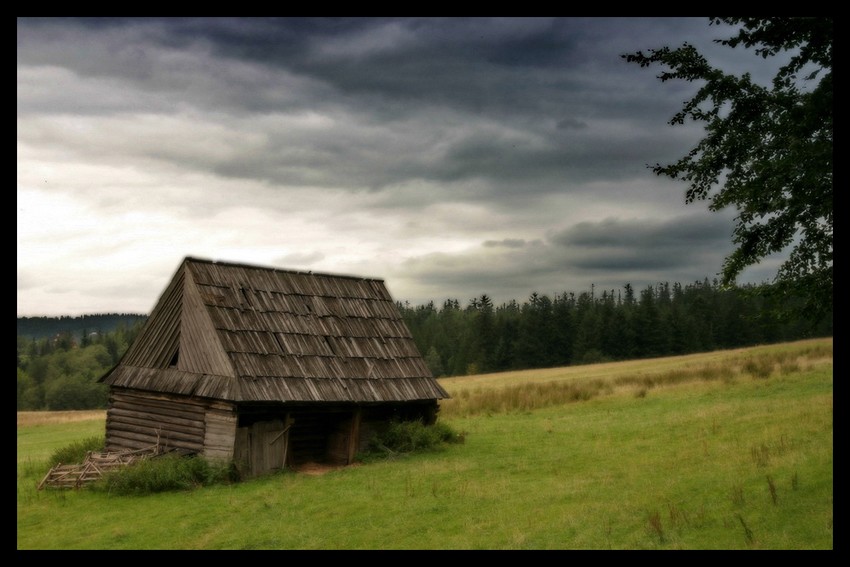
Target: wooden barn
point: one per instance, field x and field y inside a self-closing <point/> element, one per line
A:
<point x="269" y="368"/>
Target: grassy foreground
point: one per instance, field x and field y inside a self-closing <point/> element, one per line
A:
<point x="728" y="450"/>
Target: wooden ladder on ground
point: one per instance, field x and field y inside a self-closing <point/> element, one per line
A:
<point x="94" y="467"/>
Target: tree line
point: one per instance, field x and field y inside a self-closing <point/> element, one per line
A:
<point x="61" y="372"/>
<point x="611" y="325"/>
<point x="41" y="327"/>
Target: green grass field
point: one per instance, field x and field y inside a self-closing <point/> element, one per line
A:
<point x="727" y="450"/>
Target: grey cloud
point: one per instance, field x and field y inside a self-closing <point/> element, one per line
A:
<point x="469" y="64"/>
<point x="506" y="243"/>
<point x="571" y="124"/>
<point x="407" y="136"/>
<point x="462" y="67"/>
<point x="673" y="246"/>
<point x="299" y="259"/>
<point x="607" y="254"/>
<point x="684" y="231"/>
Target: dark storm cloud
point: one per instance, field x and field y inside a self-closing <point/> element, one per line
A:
<point x="618" y="245"/>
<point x="571" y="124"/>
<point x="608" y="254"/>
<point x="518" y="102"/>
<point x="452" y="156"/>
<point x="516" y="66"/>
<point x="693" y="230"/>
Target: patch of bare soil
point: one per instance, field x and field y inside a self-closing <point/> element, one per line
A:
<point x="313" y="468"/>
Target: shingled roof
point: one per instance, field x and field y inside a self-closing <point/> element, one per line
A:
<point x="253" y="334"/>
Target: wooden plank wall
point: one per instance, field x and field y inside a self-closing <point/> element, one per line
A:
<point x="220" y="434"/>
<point x="138" y="419"/>
<point x="269" y="444"/>
<point x="242" y="450"/>
<point x="200" y="346"/>
<point x="159" y="339"/>
<point x="262" y="447"/>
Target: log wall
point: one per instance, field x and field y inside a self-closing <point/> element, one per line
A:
<point x="258" y="439"/>
<point x="137" y="419"/>
<point x="220" y="433"/>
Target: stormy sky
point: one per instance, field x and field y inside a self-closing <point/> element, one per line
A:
<point x="449" y="157"/>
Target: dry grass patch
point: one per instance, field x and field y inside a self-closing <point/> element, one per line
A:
<point x="527" y="390"/>
<point x="28" y="418"/>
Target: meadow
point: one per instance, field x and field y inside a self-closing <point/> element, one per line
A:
<point x="728" y="450"/>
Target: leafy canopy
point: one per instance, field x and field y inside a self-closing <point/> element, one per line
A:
<point x="766" y="151"/>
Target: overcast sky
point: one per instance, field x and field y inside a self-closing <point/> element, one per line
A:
<point x="449" y="157"/>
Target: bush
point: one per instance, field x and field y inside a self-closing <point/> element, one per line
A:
<point x="593" y="356"/>
<point x="75" y="453"/>
<point x="401" y="437"/>
<point x="165" y="473"/>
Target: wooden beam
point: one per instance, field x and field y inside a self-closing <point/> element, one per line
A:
<point x="354" y="435"/>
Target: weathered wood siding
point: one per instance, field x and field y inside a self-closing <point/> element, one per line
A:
<point x="262" y="447"/>
<point x="158" y="340"/>
<point x="257" y="438"/>
<point x="220" y="433"/>
<point x="135" y="420"/>
<point x="250" y="334"/>
<point x="232" y="353"/>
<point x="293" y="336"/>
<point x="200" y="347"/>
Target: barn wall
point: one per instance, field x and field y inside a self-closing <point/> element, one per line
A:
<point x="242" y="450"/>
<point x="258" y="438"/>
<point x="220" y="433"/>
<point x="261" y="447"/>
<point x="137" y="420"/>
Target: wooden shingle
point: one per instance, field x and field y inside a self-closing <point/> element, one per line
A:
<point x="243" y="333"/>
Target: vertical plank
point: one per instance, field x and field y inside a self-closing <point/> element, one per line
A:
<point x="354" y="435"/>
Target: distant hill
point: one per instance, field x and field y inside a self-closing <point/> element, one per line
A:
<point x="45" y="327"/>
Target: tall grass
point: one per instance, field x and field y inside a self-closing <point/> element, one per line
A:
<point x="76" y="451"/>
<point x="170" y="472"/>
<point x="729" y="460"/>
<point x="525" y="392"/>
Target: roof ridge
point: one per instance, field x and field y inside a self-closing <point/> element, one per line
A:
<point x="226" y="263"/>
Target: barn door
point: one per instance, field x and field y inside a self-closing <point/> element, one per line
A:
<point x="344" y="440"/>
<point x="267" y="443"/>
